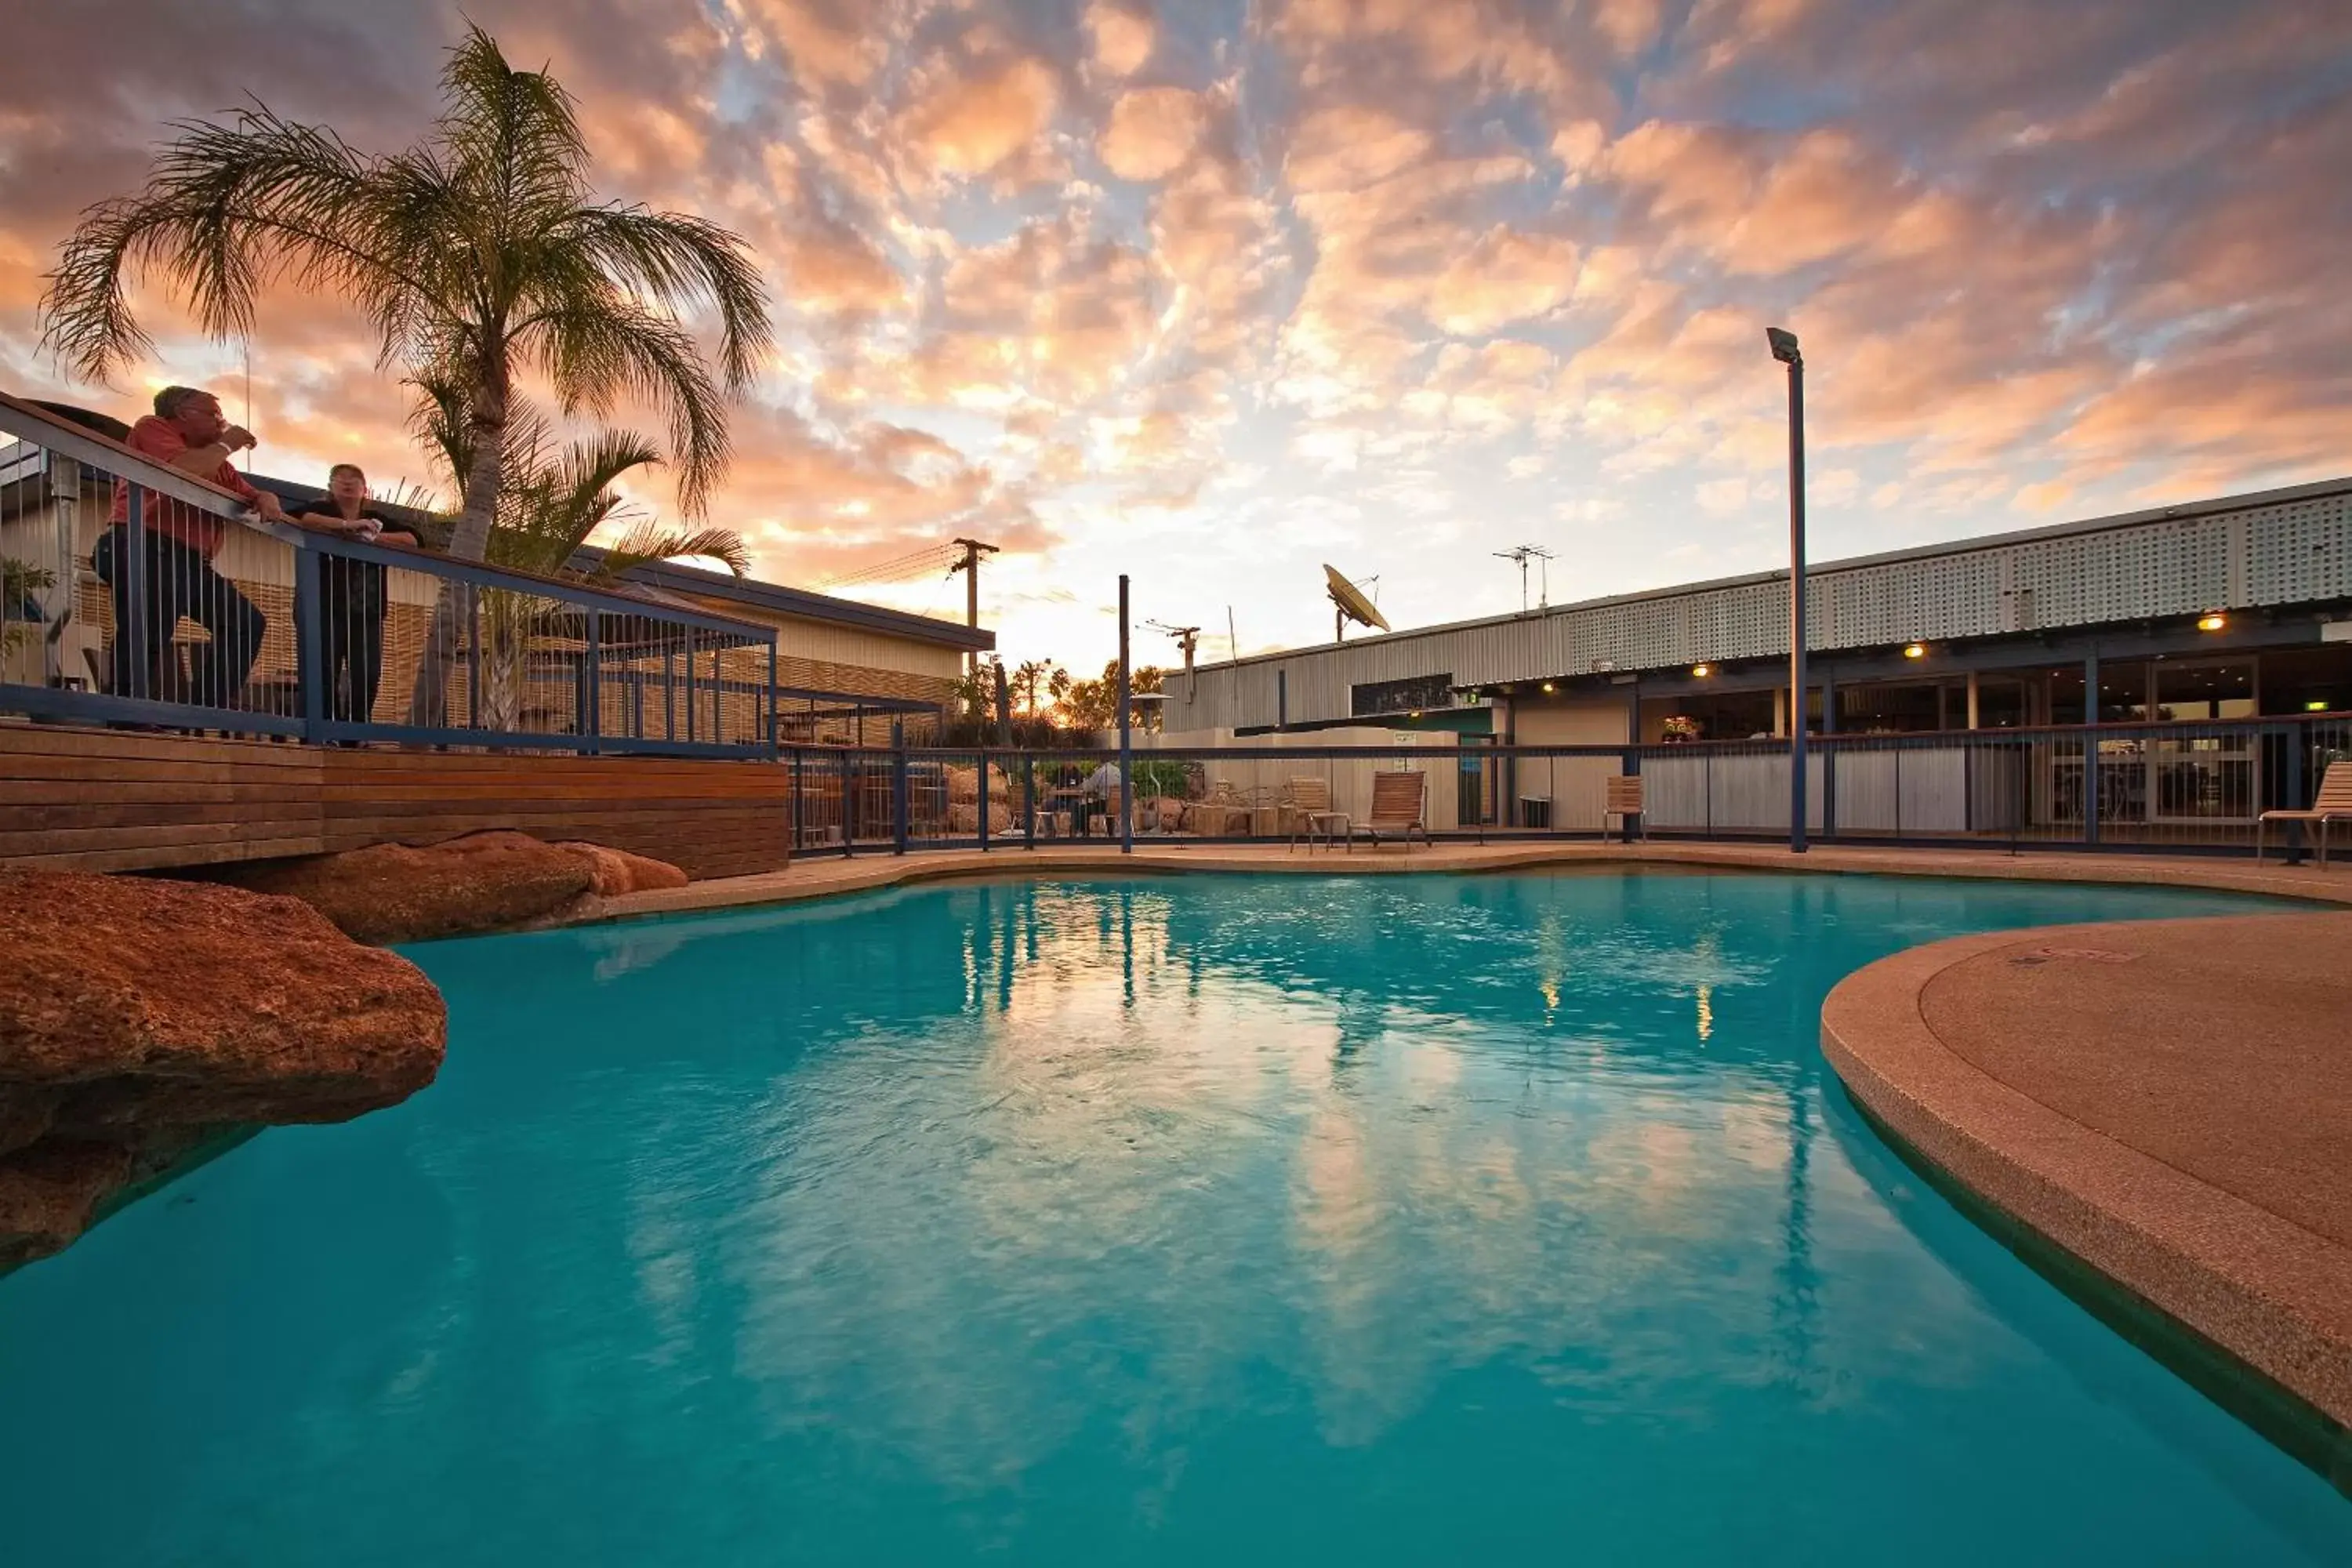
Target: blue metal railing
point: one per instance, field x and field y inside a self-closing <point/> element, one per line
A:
<point x="2195" y="786"/>
<point x="138" y="595"/>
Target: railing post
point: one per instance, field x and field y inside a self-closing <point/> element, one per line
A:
<point x="848" y="808"/>
<point x="2295" y="839"/>
<point x="310" y="643"/>
<point x="771" y="694"/>
<point x="1829" y="754"/>
<point x="2091" y="746"/>
<point x="983" y="800"/>
<point x="799" y="836"/>
<point x="592" y="689"/>
<point x="473" y="602"/>
<point x="140" y="663"/>
<point x="1898" y="791"/>
<point x="1628" y="762"/>
<point x="689" y="685"/>
<point x="898" y="785"/>
<point x="1028" y="801"/>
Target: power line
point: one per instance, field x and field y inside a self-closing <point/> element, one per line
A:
<point x="914" y="563"/>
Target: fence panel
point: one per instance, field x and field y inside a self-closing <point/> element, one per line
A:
<point x="2193" y="786"/>
<point x="130" y="593"/>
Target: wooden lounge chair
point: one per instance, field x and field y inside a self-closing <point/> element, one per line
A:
<point x="1306" y="812"/>
<point x="1623" y="802"/>
<point x="2333" y="805"/>
<point x="1398" y="799"/>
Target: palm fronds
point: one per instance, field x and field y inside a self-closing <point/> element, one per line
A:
<point x="478" y="254"/>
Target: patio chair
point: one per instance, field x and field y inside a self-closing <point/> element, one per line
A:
<point x="1623" y="802"/>
<point x="1398" y="801"/>
<point x="2333" y="805"/>
<point x="1306" y="812"/>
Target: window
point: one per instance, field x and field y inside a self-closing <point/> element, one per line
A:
<point x="1409" y="696"/>
<point x="2205" y="690"/>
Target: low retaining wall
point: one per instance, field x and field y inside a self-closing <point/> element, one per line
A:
<point x="100" y="800"/>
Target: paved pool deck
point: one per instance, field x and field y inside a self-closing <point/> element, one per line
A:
<point x="2168" y="1102"/>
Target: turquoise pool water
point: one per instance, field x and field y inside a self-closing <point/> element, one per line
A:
<point x="1180" y="1221"/>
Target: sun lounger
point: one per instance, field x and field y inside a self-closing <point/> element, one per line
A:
<point x="1398" y="807"/>
<point x="2333" y="805"/>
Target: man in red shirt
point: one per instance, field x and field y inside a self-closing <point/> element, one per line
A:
<point x="187" y="432"/>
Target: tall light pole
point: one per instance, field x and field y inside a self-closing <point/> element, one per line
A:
<point x="1126" y="734"/>
<point x="1784" y="349"/>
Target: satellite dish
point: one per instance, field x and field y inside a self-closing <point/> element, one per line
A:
<point x="1352" y="604"/>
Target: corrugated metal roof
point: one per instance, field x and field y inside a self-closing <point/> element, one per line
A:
<point x="2283" y="546"/>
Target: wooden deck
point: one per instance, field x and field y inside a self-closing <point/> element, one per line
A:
<point x="103" y="800"/>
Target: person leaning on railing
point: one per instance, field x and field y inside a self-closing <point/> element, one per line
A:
<point x="187" y="432"/>
<point x="353" y="594"/>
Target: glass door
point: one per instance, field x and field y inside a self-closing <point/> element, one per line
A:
<point x="2213" y="777"/>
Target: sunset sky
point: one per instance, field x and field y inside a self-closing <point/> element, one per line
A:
<point x="1214" y="291"/>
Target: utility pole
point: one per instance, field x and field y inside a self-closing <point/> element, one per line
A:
<point x="1523" y="553"/>
<point x="973" y="550"/>
<point x="1189" y="639"/>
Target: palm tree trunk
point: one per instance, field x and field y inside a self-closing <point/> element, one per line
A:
<point x="428" y="704"/>
<point x="484" y="475"/>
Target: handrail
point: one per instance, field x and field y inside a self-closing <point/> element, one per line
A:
<point x="1770" y="744"/>
<point x="487" y="576"/>
<point x="86" y="446"/>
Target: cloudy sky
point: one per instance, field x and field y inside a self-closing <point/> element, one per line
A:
<point x="1212" y="292"/>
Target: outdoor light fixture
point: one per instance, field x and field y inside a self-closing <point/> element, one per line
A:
<point x="1784" y="349"/>
<point x="2316" y="705"/>
<point x="1549" y="686"/>
<point x="1915" y="650"/>
<point x="2212" y="621"/>
<point x="1702" y="670"/>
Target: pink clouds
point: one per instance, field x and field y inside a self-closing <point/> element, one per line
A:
<point x="1392" y="262"/>
<point x="972" y="124"/>
<point x="1152" y="131"/>
<point x="1122" y="36"/>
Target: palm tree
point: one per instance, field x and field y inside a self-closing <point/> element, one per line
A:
<point x="550" y="505"/>
<point x="1027" y="677"/>
<point x="480" y="251"/>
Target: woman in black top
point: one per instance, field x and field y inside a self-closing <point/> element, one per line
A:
<point x="353" y="593"/>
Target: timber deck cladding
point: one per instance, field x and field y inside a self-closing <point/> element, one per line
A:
<point x="102" y="800"/>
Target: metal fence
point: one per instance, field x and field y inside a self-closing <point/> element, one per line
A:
<point x="130" y="593"/>
<point x="2197" y="786"/>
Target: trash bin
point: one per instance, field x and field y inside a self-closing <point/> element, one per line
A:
<point x="1535" y="811"/>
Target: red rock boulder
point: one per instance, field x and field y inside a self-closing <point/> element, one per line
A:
<point x="616" y="871"/>
<point x="393" y="892"/>
<point x="140" y="1019"/>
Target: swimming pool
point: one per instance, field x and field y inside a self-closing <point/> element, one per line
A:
<point x="1219" y="1219"/>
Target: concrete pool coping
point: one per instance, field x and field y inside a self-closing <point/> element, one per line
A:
<point x="2253" y="1306"/>
<point x="2173" y="1117"/>
<point x="818" y="877"/>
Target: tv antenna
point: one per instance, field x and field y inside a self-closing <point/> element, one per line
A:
<point x="1523" y="553"/>
<point x="1189" y="639"/>
<point x="1348" y="603"/>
